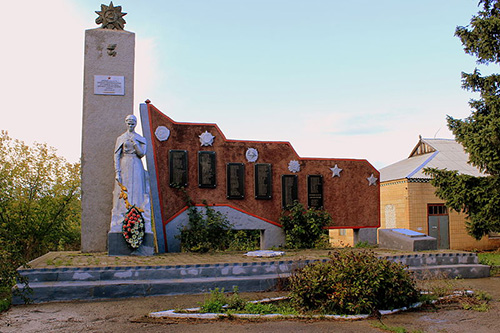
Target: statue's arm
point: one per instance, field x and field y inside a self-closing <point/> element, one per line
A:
<point x="140" y="148"/>
<point x="118" y="170"/>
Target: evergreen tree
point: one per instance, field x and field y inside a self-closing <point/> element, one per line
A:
<point x="479" y="134"/>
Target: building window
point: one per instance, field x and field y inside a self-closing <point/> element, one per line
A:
<point x="342" y="232"/>
<point x="437" y="210"/>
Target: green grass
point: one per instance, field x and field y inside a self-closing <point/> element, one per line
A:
<point x="232" y="303"/>
<point x="489" y="258"/>
<point x="281" y="307"/>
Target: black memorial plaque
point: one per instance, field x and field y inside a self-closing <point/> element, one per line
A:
<point x="315" y="191"/>
<point x="235" y="181"/>
<point x="263" y="178"/>
<point x="178" y="163"/>
<point x="289" y="190"/>
<point x="206" y="169"/>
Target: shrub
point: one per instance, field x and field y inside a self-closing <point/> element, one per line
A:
<point x="215" y="302"/>
<point x="10" y="260"/>
<point x="208" y="231"/>
<point x="304" y="228"/>
<point x="244" y="240"/>
<point x="353" y="282"/>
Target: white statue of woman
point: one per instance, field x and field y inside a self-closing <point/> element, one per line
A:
<point x="129" y="149"/>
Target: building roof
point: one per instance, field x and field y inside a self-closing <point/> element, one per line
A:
<point x="430" y="153"/>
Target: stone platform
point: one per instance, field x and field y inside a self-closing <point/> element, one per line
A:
<point x="95" y="283"/>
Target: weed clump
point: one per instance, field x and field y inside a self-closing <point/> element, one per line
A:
<point x="352" y="282"/>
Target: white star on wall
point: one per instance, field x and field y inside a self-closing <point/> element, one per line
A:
<point x="206" y="138"/>
<point x="372" y="180"/>
<point x="336" y="171"/>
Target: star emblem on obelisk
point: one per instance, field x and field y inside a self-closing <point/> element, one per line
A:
<point x="372" y="180"/>
<point x="111" y="17"/>
<point x="336" y="171"/>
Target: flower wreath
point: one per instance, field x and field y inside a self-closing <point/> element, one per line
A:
<point x="133" y="225"/>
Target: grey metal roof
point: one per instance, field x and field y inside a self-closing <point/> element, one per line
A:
<point x="430" y="153"/>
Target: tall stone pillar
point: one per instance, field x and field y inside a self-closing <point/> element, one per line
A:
<point x="108" y="97"/>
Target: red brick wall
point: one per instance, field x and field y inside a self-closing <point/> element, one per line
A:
<point x="349" y="199"/>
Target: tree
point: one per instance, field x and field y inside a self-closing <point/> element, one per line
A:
<point x="39" y="204"/>
<point x="479" y="134"/>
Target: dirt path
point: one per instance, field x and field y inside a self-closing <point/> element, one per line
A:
<point x="129" y="316"/>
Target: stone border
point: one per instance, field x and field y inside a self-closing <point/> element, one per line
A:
<point x="211" y="316"/>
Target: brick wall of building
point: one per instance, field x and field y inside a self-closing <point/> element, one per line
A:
<point x="394" y="204"/>
<point x="408" y="201"/>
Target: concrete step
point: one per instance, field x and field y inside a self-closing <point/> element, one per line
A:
<point x="162" y="272"/>
<point x="98" y="290"/>
<point x="470" y="271"/>
<point x="91" y="283"/>
<point x="435" y="259"/>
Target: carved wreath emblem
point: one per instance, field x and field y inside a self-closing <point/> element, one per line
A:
<point x="294" y="166"/>
<point x="162" y="133"/>
<point x="252" y="154"/>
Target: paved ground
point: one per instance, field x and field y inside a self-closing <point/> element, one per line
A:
<point x="129" y="316"/>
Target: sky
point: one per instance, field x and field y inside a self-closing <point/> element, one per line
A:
<point x="337" y="79"/>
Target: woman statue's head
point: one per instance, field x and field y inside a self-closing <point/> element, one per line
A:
<point x="131" y="121"/>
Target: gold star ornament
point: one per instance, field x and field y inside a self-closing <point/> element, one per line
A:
<point x="111" y="17"/>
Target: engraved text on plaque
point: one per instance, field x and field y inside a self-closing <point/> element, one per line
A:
<point x="206" y="169"/>
<point x="288" y="190"/>
<point x="263" y="178"/>
<point x="315" y="191"/>
<point x="178" y="167"/>
<point x="235" y="181"/>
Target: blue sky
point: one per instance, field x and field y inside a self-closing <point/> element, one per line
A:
<point x="335" y="78"/>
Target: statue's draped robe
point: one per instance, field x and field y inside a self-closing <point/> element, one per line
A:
<point x="134" y="178"/>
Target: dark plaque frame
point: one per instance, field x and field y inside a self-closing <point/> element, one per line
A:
<point x="263" y="181"/>
<point x="315" y="191"/>
<point x="179" y="167"/>
<point x="207" y="169"/>
<point x="289" y="190"/>
<point x="235" y="180"/>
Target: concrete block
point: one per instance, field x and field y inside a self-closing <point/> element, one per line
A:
<point x="390" y="239"/>
<point x="118" y="247"/>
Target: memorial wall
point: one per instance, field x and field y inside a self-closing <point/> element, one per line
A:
<point x="257" y="178"/>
